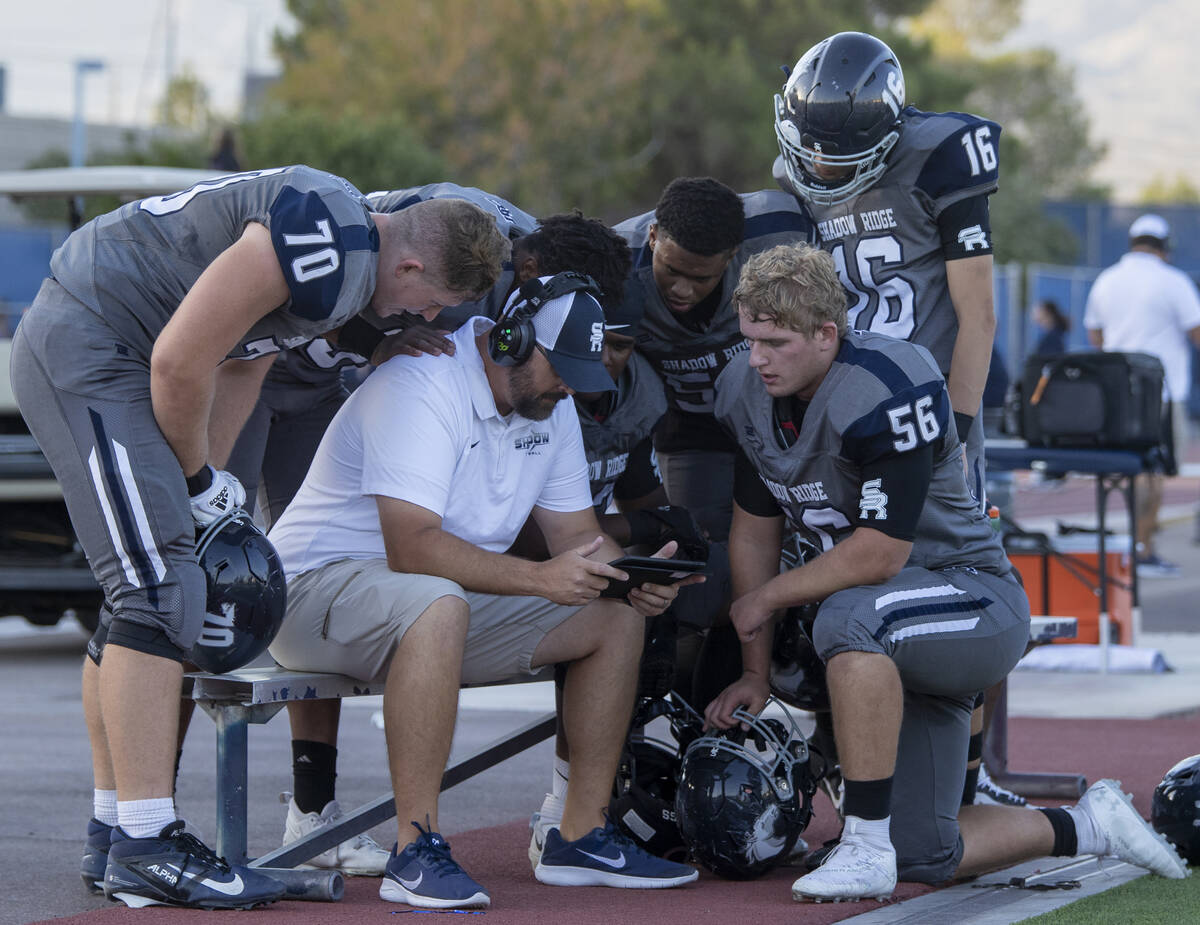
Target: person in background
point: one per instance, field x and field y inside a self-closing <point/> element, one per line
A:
<point x="1054" y="326"/>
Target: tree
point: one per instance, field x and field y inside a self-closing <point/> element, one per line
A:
<point x="1169" y="190"/>
<point x="185" y="104"/>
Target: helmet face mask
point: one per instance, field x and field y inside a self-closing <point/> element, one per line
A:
<point x="839" y="117"/>
<point x="744" y="798"/>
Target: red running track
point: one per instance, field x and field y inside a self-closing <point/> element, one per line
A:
<point x="1137" y="752"/>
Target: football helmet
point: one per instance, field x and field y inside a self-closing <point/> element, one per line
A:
<point x="839" y="116"/>
<point x="744" y="797"/>
<point x="797" y="672"/>
<point x="1175" y="808"/>
<point x="643" y="802"/>
<point x="247" y="594"/>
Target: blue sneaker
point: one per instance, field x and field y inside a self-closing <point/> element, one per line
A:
<point x="607" y="857"/>
<point x="425" y="875"/>
<point x="177" y="869"/>
<point x="95" y="855"/>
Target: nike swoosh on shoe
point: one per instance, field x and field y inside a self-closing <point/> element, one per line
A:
<point x="411" y="884"/>
<point x="616" y="863"/>
<point x="232" y="887"/>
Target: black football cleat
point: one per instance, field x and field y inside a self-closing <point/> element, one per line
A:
<point x="177" y="869"/>
<point x="95" y="855"/>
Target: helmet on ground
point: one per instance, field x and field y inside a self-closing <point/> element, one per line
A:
<point x="745" y="797"/>
<point x="839" y="116"/>
<point x="247" y="594"/>
<point x="643" y="803"/>
<point x="1175" y="808"/>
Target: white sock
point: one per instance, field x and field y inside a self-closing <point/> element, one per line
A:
<point x="874" y="833"/>
<point x="104" y="806"/>
<point x="1088" y="836"/>
<point x="558" y="786"/>
<point x="145" y="818"/>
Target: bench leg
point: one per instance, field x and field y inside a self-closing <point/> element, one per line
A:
<point x="1027" y="784"/>
<point x="232" y="758"/>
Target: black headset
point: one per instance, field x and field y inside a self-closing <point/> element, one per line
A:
<point x="511" y="341"/>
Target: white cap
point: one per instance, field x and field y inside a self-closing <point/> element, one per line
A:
<point x="1150" y="226"/>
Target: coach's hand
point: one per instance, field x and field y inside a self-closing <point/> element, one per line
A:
<point x="223" y="494"/>
<point x="573" y="579"/>
<point x="650" y="599"/>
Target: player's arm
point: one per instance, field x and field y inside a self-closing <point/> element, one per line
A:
<point x="236" y="387"/>
<point x="243" y="284"/>
<point x="755" y="541"/>
<point x="970" y="283"/>
<point x="416" y="543"/>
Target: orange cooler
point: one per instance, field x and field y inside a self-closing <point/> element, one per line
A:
<point x="1073" y="578"/>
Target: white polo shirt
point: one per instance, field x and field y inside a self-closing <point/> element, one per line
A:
<point x="1144" y="305"/>
<point x="426" y="430"/>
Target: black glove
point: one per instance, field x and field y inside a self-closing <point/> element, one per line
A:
<point x="654" y="526"/>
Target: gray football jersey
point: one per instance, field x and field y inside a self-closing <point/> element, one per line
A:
<point x="689" y="361"/>
<point x="886" y="241"/>
<point x="133" y="266"/>
<point x="880" y="398"/>
<point x="640" y="402"/>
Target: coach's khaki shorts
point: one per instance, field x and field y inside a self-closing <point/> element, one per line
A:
<point x="348" y="617"/>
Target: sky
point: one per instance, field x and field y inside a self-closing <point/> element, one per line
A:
<point x="1132" y="65"/>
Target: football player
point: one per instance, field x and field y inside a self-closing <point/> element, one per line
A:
<point x="116" y="367"/>
<point x="849" y="437"/>
<point x="900" y="199"/>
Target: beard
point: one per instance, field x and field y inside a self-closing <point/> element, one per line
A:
<point x="531" y="405"/>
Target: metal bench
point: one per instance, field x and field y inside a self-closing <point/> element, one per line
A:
<point x="253" y="696"/>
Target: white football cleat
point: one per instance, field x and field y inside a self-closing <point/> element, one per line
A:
<point x="852" y="870"/>
<point x="1130" y="837"/>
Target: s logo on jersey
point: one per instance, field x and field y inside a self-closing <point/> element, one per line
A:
<point x="873" y="500"/>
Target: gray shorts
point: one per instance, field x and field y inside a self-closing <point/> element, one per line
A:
<point x="348" y="617"/>
<point x="86" y="398"/>
<point x="951" y="634"/>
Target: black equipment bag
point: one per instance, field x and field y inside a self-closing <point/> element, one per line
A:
<point x="1093" y="399"/>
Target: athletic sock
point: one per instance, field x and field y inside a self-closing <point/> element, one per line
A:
<point x="562" y="771"/>
<point x="1091" y="840"/>
<point x="145" y="818"/>
<point x="314" y="773"/>
<point x="1066" y="840"/>
<point x="975" y="757"/>
<point x="869" y="799"/>
<point x="104" y="806"/>
<point x="874" y="833"/>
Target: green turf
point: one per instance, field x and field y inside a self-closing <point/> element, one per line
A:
<point x="1148" y="900"/>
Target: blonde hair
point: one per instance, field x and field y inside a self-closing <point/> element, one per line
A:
<point x="794" y="286"/>
<point x="456" y="239"/>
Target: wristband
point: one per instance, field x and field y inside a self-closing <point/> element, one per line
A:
<point x="963" y="423"/>
<point x="359" y="336"/>
<point x="200" y="481"/>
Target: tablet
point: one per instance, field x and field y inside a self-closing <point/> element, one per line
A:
<point x="642" y="569"/>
